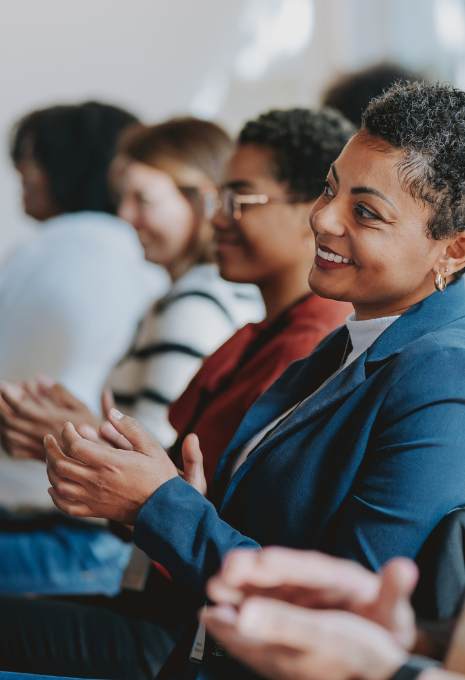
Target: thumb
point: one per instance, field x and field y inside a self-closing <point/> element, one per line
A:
<point x="132" y="430"/>
<point x="108" y="402"/>
<point x="193" y="464"/>
<point x="393" y="608"/>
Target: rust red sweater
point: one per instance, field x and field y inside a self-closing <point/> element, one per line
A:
<point x="231" y="379"/>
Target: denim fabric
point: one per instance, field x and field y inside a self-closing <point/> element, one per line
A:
<point x="61" y="559"/>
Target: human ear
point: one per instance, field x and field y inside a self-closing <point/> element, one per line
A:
<point x="453" y="260"/>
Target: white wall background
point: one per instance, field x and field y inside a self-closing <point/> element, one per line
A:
<point x="223" y="59"/>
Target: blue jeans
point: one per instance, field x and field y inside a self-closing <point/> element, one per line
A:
<point x="57" y="556"/>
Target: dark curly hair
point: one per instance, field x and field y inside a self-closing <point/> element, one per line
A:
<point x="428" y="123"/>
<point x="74" y="145"/>
<point x="305" y="143"/>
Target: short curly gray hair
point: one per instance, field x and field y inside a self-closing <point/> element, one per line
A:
<point x="428" y="123"/>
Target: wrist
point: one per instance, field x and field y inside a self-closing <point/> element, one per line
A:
<point x="385" y="664"/>
<point x="412" y="668"/>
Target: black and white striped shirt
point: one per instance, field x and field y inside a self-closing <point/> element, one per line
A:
<point x="199" y="314"/>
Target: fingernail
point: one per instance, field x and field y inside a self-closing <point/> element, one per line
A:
<point x="223" y="614"/>
<point x="117" y="415"/>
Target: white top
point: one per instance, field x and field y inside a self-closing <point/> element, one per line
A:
<point x="364" y="333"/>
<point x="199" y="314"/>
<point x="362" y="336"/>
<point x="70" y="299"/>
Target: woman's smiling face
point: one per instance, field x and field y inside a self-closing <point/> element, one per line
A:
<point x="367" y="216"/>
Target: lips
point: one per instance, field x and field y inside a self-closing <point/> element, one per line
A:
<point x="227" y="239"/>
<point x="330" y="256"/>
<point x="327" y="259"/>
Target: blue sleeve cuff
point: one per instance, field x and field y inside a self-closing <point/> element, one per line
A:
<point x="181" y="530"/>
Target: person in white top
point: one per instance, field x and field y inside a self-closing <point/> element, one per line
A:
<point x="71" y="296"/>
<point x="165" y="176"/>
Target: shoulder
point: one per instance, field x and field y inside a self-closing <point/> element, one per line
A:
<point x="428" y="372"/>
<point x="96" y="232"/>
<point x="442" y="349"/>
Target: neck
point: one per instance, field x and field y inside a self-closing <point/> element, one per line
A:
<point x="363" y="312"/>
<point x="366" y="315"/>
<point x="280" y="292"/>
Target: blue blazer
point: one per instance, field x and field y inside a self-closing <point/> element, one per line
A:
<point x="364" y="470"/>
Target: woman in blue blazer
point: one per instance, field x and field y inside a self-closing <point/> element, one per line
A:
<point x="357" y="450"/>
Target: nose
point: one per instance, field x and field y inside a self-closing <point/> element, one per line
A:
<point x="328" y="220"/>
<point x="219" y="220"/>
<point x="128" y="212"/>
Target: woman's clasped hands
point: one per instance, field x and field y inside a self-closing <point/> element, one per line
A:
<point x="92" y="480"/>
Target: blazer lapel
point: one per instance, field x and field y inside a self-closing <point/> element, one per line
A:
<point x="300" y="380"/>
<point x="343" y="384"/>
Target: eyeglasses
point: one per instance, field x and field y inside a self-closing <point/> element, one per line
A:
<point x="230" y="203"/>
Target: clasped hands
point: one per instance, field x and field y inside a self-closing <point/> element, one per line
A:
<point x="103" y="469"/>
<point x="92" y="480"/>
<point x="292" y="614"/>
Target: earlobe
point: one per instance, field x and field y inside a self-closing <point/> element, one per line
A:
<point x="454" y="257"/>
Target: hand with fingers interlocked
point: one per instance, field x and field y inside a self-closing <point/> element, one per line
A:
<point x="91" y="480"/>
<point x="301" y="614"/>
<point x="30" y="410"/>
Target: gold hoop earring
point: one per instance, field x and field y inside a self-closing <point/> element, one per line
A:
<point x="440" y="282"/>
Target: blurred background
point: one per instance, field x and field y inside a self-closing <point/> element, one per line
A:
<point x="217" y="59"/>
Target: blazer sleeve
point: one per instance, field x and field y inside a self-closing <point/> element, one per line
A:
<point x="181" y="530"/>
<point x="413" y="472"/>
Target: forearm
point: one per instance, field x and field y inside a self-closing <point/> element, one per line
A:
<point x="181" y="530"/>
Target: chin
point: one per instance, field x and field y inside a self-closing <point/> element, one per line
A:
<point x="232" y="274"/>
<point x="324" y="290"/>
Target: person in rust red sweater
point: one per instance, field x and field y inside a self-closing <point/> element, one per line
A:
<point x="262" y="236"/>
<point x="232" y="378"/>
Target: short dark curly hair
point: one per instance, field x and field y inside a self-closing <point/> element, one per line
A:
<point x="428" y="123"/>
<point x="305" y="143"/>
<point x="74" y="145"/>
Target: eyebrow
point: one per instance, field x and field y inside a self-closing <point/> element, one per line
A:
<point x="363" y="190"/>
<point x="373" y="192"/>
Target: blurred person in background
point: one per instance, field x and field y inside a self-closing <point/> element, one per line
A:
<point x="351" y="93"/>
<point x="165" y="175"/>
<point x="168" y="179"/>
<point x="71" y="296"/>
<point x="262" y="236"/>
